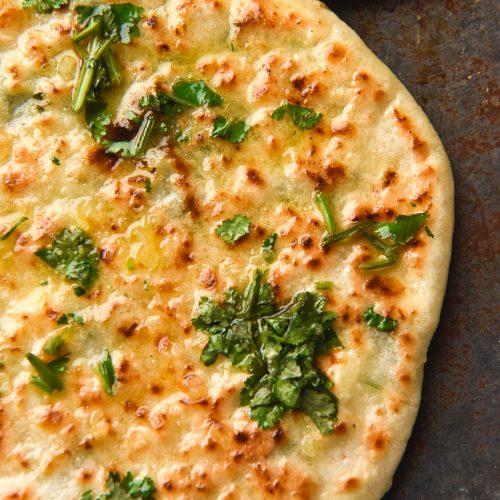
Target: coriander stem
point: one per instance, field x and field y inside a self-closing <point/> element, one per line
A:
<point x="326" y="211"/>
<point x="141" y="139"/>
<point x="112" y="66"/>
<point x="93" y="27"/>
<point x="330" y="239"/>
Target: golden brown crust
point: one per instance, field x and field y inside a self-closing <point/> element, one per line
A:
<point x="373" y="153"/>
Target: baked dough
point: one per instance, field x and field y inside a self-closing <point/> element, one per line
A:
<point x="153" y="220"/>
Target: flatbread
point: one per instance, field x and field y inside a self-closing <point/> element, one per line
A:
<point x="154" y="222"/>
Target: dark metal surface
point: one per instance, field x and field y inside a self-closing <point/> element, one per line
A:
<point x="447" y="53"/>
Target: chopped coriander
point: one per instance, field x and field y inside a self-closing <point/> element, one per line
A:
<point x="133" y="117"/>
<point x="146" y="285"/>
<point x="65" y="319"/>
<point x="139" y="144"/>
<point x="268" y="247"/>
<point x="277" y="346"/>
<point x="229" y="130"/>
<point x="386" y="237"/>
<point x="107" y="373"/>
<point x="48" y="373"/>
<point x="79" y="290"/>
<point x="53" y="346"/>
<point x="98" y="118"/>
<point x="326" y="211"/>
<point x="126" y="488"/>
<point x="11" y="223"/>
<point x="130" y="263"/>
<point x="184" y="135"/>
<point x="323" y="285"/>
<point x="402" y="229"/>
<point x="44" y="283"/>
<point x="161" y="103"/>
<point x="55" y="160"/>
<point x="147" y="185"/>
<point x="195" y="93"/>
<point x="103" y="26"/>
<point x="413" y="204"/>
<point x="44" y="6"/>
<point x="232" y="230"/>
<point x="382" y="323"/>
<point x="38" y="96"/>
<point x="302" y="118"/>
<point x="428" y="232"/>
<point x="73" y="255"/>
<point x="372" y="384"/>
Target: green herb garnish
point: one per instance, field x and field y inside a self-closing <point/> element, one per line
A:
<point x="326" y="211"/>
<point x="268" y="247"/>
<point x="232" y="230"/>
<point x="184" y="135"/>
<point x="139" y="144"/>
<point x="44" y="6"/>
<point x="402" y="229"/>
<point x="64" y="319"/>
<point x="48" y="373"/>
<point x="161" y="103"/>
<point x="323" y="285"/>
<point x="302" y="118"/>
<point x="12" y="222"/>
<point x="229" y="130"/>
<point x="102" y="26"/>
<point x="73" y="255"/>
<point x="277" y="346"/>
<point x="125" y="489"/>
<point x="54" y="345"/>
<point x="55" y="160"/>
<point x="107" y="373"/>
<point x="386" y="237"/>
<point x="195" y="93"/>
<point x="382" y="323"/>
<point x="98" y="118"/>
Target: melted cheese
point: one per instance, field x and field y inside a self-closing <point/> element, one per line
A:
<point x="171" y="417"/>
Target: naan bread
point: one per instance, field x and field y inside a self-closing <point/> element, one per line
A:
<point x="374" y="154"/>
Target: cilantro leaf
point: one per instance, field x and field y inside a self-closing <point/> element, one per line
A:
<point x="277" y="346"/>
<point x="161" y="103"/>
<point x="107" y="373"/>
<point x="229" y="130"/>
<point x="125" y="489"/>
<point x="48" y="379"/>
<point x="268" y="247"/>
<point x="139" y="144"/>
<point x="73" y="255"/>
<point x="402" y="229"/>
<point x="55" y="160"/>
<point x="195" y="93"/>
<point x="9" y="224"/>
<point x="386" y="237"/>
<point x="103" y="26"/>
<point x="98" y="118"/>
<point x="118" y="20"/>
<point x="44" y="6"/>
<point x="302" y="118"/>
<point x="232" y="230"/>
<point x="382" y="323"/>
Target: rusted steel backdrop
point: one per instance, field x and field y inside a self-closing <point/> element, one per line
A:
<point x="447" y="53"/>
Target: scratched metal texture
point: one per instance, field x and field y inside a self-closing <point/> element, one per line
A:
<point x="447" y="54"/>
